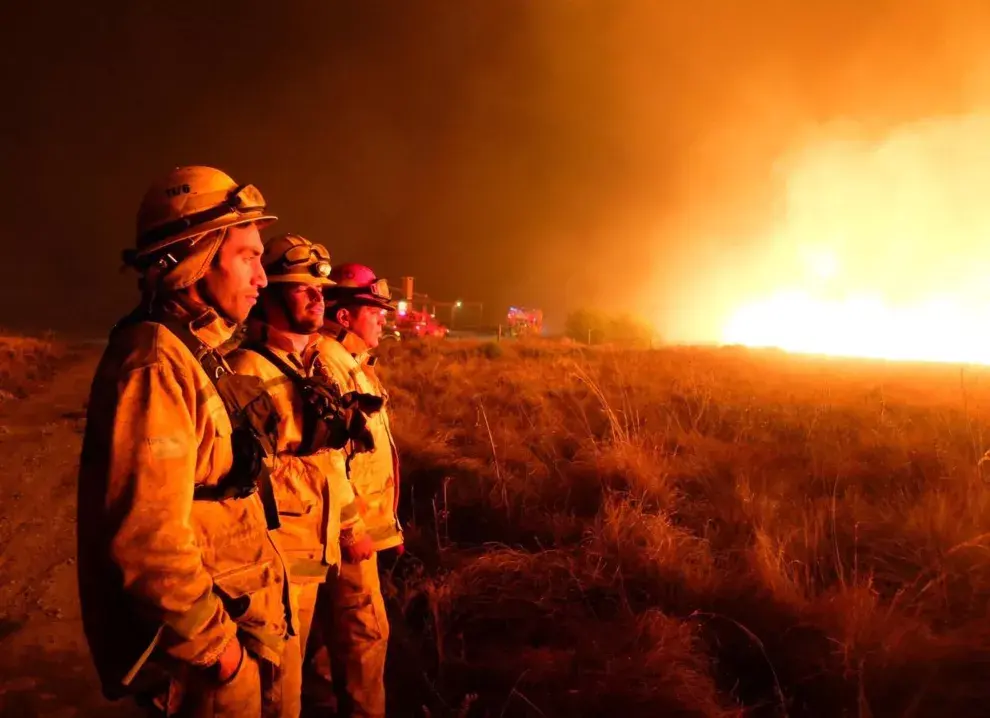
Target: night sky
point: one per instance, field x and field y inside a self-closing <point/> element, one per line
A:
<point x="554" y="153"/>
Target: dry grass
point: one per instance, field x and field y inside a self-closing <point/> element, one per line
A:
<point x="689" y="533"/>
<point x="24" y="361"/>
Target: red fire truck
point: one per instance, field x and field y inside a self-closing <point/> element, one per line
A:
<point x="409" y="323"/>
<point x="525" y="322"/>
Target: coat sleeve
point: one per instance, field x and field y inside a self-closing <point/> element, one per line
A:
<point x="330" y="466"/>
<point x="341" y="492"/>
<point x="334" y="461"/>
<point x="150" y="494"/>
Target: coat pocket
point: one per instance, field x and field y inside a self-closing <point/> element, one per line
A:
<point x="238" y="587"/>
<point x="298" y="487"/>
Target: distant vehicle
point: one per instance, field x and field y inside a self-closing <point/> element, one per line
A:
<point x="412" y="323"/>
<point x="525" y="322"/>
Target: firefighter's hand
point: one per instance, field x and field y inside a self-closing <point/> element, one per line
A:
<point x="357" y="548"/>
<point x="229" y="662"/>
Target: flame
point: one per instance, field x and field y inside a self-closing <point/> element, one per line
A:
<point x="882" y="249"/>
<point x="937" y="329"/>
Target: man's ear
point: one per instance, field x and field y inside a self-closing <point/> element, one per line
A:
<point x="343" y="317"/>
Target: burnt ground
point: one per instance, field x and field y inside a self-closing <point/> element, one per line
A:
<point x="45" y="669"/>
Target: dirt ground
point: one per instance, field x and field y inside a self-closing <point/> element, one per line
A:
<point x="45" y="669"/>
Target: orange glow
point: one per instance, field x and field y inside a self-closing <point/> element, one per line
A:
<point x="881" y="249"/>
<point x="933" y="330"/>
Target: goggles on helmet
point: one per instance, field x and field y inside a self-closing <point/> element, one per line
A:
<point x="378" y="289"/>
<point x="242" y="199"/>
<point x="303" y="253"/>
<point x="316" y="255"/>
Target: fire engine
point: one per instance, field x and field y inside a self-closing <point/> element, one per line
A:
<point x="410" y="322"/>
<point x="525" y="322"/>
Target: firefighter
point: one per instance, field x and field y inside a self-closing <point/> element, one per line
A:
<point x="314" y="498"/>
<point x="182" y="587"/>
<point x="351" y="609"/>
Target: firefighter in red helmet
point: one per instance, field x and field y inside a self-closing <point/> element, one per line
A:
<point x="351" y="607"/>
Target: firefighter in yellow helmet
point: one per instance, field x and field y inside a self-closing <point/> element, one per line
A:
<point x="182" y="586"/>
<point x="351" y="610"/>
<point x="314" y="497"/>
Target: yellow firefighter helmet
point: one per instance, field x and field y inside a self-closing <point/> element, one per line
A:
<point x="188" y="203"/>
<point x="293" y="258"/>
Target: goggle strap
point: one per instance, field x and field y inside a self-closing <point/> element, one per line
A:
<point x="164" y="258"/>
<point x="355" y="291"/>
<point x="310" y="255"/>
<point x="207" y="215"/>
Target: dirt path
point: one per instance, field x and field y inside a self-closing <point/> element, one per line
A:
<point x="45" y="669"/>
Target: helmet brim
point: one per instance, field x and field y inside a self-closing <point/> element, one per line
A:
<point x="258" y="217"/>
<point x="309" y="279"/>
<point x="365" y="300"/>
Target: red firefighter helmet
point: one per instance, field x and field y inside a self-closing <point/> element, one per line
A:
<point x="357" y="284"/>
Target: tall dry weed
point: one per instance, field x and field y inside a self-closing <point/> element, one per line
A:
<point x="690" y="532"/>
<point x="24" y="361"/>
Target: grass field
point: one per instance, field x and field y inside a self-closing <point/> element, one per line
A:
<point x="24" y="361"/>
<point x="689" y="532"/>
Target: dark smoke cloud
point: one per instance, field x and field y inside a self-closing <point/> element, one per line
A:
<point x="557" y="153"/>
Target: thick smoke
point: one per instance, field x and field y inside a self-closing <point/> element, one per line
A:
<point x="614" y="153"/>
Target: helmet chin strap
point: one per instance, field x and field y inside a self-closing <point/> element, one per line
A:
<point x="183" y="270"/>
<point x="206" y="298"/>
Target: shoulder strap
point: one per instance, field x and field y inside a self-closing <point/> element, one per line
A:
<point x="324" y="411"/>
<point x="275" y="359"/>
<point x="208" y="358"/>
<point x="215" y="368"/>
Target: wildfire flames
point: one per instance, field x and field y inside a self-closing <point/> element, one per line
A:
<point x="881" y="249"/>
